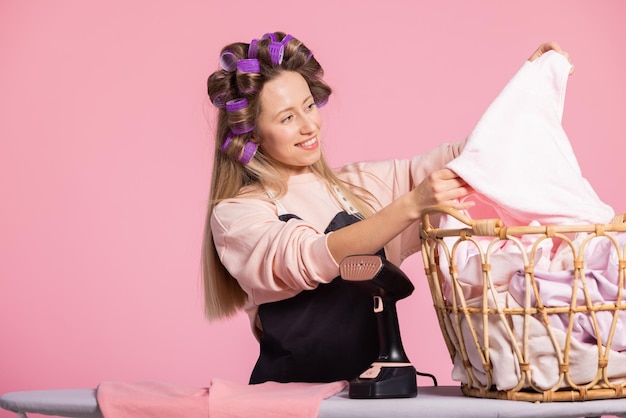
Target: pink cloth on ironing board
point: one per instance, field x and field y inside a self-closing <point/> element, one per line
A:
<point x="224" y="399"/>
<point x="269" y="399"/>
<point x="519" y="158"/>
<point x="152" y="400"/>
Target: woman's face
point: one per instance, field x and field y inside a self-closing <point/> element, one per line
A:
<point x="289" y="124"/>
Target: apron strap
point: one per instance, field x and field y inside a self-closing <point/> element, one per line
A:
<point x="343" y="201"/>
<point x="279" y="206"/>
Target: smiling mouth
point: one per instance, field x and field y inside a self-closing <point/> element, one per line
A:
<point x="307" y="143"/>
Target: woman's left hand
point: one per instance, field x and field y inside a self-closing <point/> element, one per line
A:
<point x="550" y="46"/>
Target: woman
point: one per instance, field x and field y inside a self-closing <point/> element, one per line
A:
<point x="280" y="220"/>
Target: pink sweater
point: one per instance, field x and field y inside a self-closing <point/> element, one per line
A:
<point x="274" y="260"/>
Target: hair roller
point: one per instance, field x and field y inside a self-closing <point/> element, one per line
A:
<point x="236" y="105"/>
<point x="248" y="76"/>
<point x="270" y="36"/>
<point x="248" y="152"/>
<point x="219" y="88"/>
<point x="228" y="61"/>
<point x="253" y="48"/>
<point x="250" y="65"/>
<point x="237" y="120"/>
<point x="219" y="100"/>
<point x="245" y="154"/>
<point x="226" y="143"/>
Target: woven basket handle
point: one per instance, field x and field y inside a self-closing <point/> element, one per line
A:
<point x="477" y="226"/>
<point x="495" y="227"/>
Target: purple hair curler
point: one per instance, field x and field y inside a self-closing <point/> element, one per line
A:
<point x="218" y="100"/>
<point x="227" y="141"/>
<point x="249" y="66"/>
<point x="241" y="128"/>
<point x="236" y="105"/>
<point x="228" y="61"/>
<point x="277" y="51"/>
<point x="253" y="48"/>
<point x="322" y="102"/>
<point x="248" y="152"/>
<point x="269" y="36"/>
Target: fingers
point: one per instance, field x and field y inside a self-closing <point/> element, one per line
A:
<point x="443" y="187"/>
<point x="550" y="46"/>
<point x="545" y="47"/>
<point x="447" y="187"/>
<point x="444" y="174"/>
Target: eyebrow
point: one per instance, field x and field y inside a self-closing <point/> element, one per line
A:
<point x="309" y="97"/>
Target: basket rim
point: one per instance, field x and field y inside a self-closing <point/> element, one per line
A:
<point x="495" y="227"/>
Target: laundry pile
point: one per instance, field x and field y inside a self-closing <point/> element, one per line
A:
<point x="520" y="162"/>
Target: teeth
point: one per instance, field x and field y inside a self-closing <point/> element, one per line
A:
<point x="307" y="143"/>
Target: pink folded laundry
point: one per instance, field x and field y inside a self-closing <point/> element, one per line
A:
<point x="151" y="400"/>
<point x="269" y="399"/>
<point x="224" y="399"/>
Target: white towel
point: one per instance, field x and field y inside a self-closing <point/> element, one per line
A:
<point x="519" y="159"/>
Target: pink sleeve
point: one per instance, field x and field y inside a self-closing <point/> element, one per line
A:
<point x="271" y="259"/>
<point x="388" y="180"/>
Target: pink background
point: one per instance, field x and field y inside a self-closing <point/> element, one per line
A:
<point x="106" y="143"/>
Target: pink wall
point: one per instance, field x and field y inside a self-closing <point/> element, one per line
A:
<point x="106" y="151"/>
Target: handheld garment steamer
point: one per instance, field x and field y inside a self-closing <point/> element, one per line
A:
<point x="392" y="375"/>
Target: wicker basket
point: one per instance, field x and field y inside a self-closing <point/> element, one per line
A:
<point x="490" y="339"/>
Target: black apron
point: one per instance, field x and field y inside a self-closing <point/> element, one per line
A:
<point x="321" y="335"/>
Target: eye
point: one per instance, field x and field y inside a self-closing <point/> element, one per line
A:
<point x="311" y="106"/>
<point x="287" y="119"/>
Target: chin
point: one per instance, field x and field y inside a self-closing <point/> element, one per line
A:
<point x="313" y="161"/>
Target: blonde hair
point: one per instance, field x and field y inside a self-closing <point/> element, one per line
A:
<point x="223" y="296"/>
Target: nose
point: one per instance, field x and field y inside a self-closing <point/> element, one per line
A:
<point x="308" y="123"/>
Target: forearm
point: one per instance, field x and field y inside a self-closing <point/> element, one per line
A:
<point x="374" y="232"/>
<point x="442" y="187"/>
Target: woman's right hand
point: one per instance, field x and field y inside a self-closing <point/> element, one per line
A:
<point x="443" y="187"/>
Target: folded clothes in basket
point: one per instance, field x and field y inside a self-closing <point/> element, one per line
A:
<point x="599" y="285"/>
<point x="544" y="365"/>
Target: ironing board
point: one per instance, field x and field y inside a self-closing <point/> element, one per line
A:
<point x="434" y="402"/>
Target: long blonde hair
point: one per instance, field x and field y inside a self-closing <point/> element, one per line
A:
<point x="223" y="296"/>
